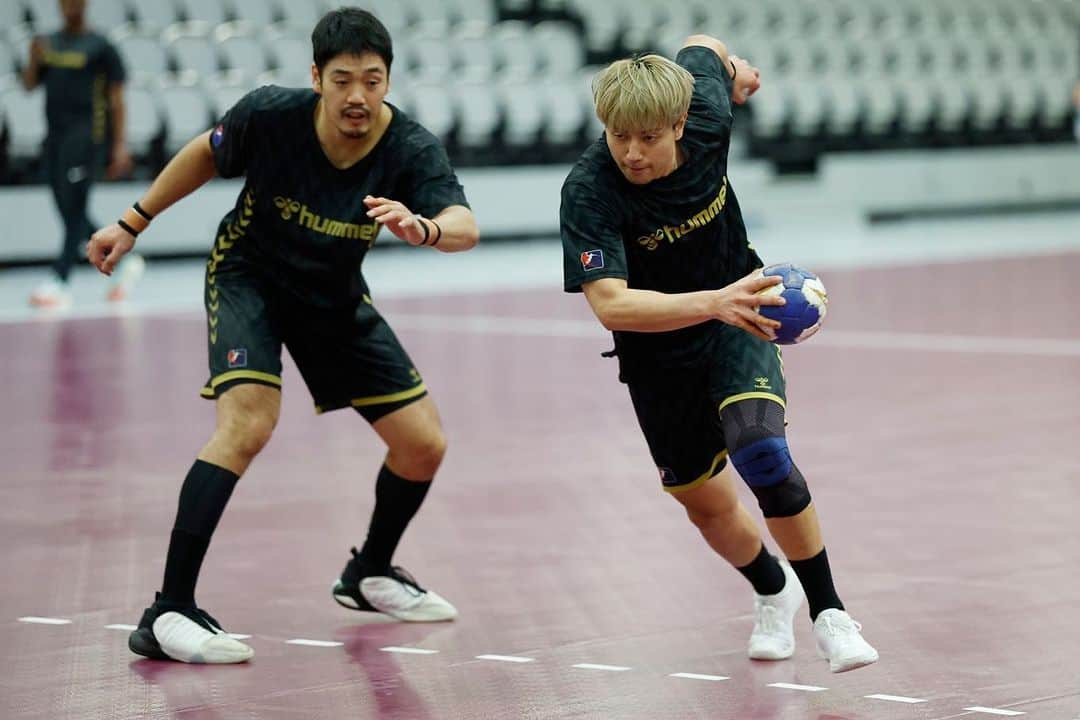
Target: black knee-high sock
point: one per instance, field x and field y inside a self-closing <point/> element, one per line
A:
<point x="816" y="579"/>
<point x="203" y="496"/>
<point x="764" y="573"/>
<point x="396" y="501"/>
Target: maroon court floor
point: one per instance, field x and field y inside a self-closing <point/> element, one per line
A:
<point x="937" y="418"/>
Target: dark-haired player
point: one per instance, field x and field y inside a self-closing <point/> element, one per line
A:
<point x="324" y="172"/>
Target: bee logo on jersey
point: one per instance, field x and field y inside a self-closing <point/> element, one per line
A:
<point x="217" y="136"/>
<point x="592" y="259"/>
<point x="237" y="357"/>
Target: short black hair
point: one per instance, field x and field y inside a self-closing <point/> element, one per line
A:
<point x="350" y="31"/>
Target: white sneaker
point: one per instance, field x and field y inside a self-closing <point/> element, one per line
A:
<point x="51" y="294"/>
<point x="396" y="594"/>
<point x="773" y="637"/>
<point x="123" y="279"/>
<point x="840" y="642"/>
<point x="189" y="635"/>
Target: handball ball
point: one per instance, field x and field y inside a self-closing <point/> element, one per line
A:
<point x="804" y="310"/>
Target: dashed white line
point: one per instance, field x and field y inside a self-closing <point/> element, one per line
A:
<point x="314" y="643"/>
<point x="408" y="650"/>
<point x="242" y="636"/>
<point x="697" y="676"/>
<point x="895" y="698"/>
<point x="121" y="626"/>
<point x="609" y="668"/>
<point x="506" y="658"/>
<point x="791" y="686"/>
<point x="44" y="620"/>
<point x="994" y="711"/>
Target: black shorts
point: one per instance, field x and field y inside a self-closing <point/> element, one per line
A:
<point x="348" y="358"/>
<point x="679" y="409"/>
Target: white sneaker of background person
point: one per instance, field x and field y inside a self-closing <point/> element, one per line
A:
<point x="127" y="274"/>
<point x="51" y="293"/>
<point x="840" y="642"/>
<point x="773" y="637"/>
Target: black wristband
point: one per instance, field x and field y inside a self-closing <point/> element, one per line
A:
<point x="427" y="232"/>
<point x="145" y="215"/>
<point x="438" y="237"/>
<point x="130" y="230"/>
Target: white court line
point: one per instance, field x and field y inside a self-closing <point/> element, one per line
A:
<point x="895" y="698"/>
<point x="919" y="342"/>
<point x="994" y="711"/>
<point x="790" y="686"/>
<point x="408" y="650"/>
<point x="506" y="658"/>
<point x="609" y="668"/>
<point x="696" y="676"/>
<point x="44" y="620"/>
<point x="313" y="643"/>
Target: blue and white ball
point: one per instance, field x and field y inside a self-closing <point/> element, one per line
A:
<point x="806" y="304"/>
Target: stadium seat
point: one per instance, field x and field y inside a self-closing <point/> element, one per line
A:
<point x="242" y="53"/>
<point x="258" y="13"/>
<point x="143" y="119"/>
<point x="24" y="118"/>
<point x="477" y="111"/>
<point x="106" y="16"/>
<point x="187" y="113"/>
<point x="153" y="16"/>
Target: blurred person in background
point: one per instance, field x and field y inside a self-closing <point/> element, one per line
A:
<point x="654" y="237"/>
<point x="325" y="168"/>
<point x="83" y="78"/>
<point x="1076" y="111"/>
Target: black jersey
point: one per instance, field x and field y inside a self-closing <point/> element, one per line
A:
<point x="300" y="220"/>
<point x="76" y="71"/>
<point x="680" y="233"/>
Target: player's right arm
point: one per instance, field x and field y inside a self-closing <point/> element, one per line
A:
<point x="619" y="307"/>
<point x="190" y="169"/>
<point x="31" y="74"/>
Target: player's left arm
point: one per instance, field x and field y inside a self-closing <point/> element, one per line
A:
<point x="453" y="229"/>
<point x="745" y="78"/>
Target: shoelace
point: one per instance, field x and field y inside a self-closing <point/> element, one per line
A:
<point x="840" y="625"/>
<point x="768" y="618"/>
<point x="397" y="573"/>
<point x="402" y="576"/>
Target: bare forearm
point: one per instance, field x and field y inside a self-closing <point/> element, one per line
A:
<point x="651" y="311"/>
<point x="119" y="117"/>
<point x="459" y="230"/>
<point x="190" y="169"/>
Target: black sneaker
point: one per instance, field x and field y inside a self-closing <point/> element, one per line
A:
<point x="394" y="592"/>
<point x="186" y="634"/>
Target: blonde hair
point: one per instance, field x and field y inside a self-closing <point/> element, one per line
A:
<point x="642" y="93"/>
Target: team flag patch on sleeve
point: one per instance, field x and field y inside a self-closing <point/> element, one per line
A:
<point x="218" y="135"/>
<point x="237" y="357"/>
<point x="592" y="259"/>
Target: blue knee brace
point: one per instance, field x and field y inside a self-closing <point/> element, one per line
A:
<point x="766" y="466"/>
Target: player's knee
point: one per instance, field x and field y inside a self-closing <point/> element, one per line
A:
<point x="711" y="505"/>
<point x="248" y="434"/>
<point x="766" y="467"/>
<point x="423" y="454"/>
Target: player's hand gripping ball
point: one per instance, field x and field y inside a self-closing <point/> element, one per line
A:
<point x="806" y="301"/>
